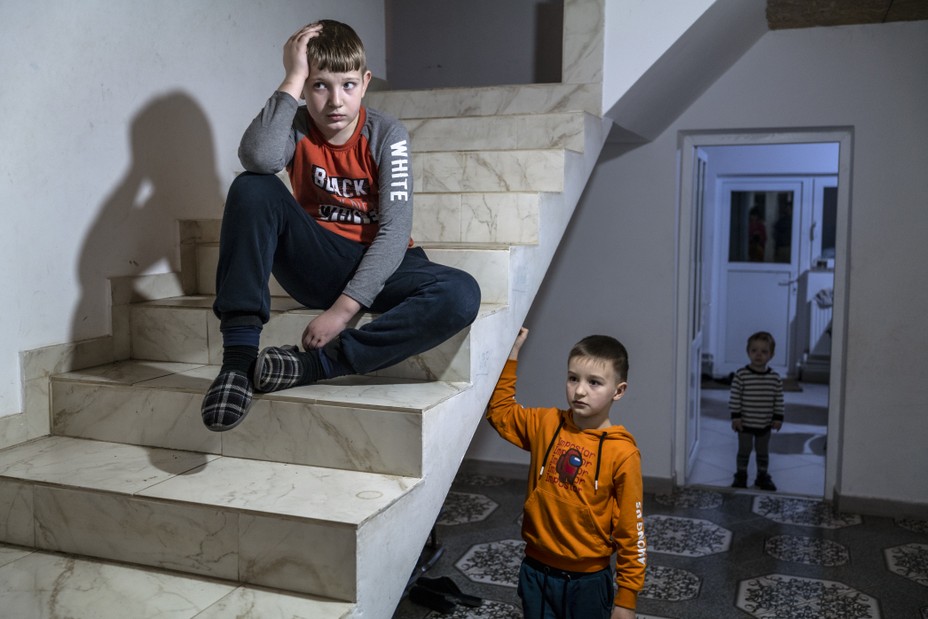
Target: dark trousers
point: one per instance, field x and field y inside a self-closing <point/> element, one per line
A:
<point x="550" y="593"/>
<point x="265" y="230"/>
<point x="754" y="439"/>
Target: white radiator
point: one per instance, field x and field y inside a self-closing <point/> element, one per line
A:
<point x="819" y="325"/>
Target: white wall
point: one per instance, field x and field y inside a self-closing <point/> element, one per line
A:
<point x="615" y="271"/>
<point x="637" y="33"/>
<point x="117" y="119"/>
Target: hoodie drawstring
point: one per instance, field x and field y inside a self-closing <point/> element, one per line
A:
<point x="599" y="459"/>
<point x="564" y="594"/>
<point x="550" y="446"/>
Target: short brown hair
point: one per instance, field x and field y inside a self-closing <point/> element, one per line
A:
<point x="337" y="48"/>
<point x="762" y="336"/>
<point x="605" y="348"/>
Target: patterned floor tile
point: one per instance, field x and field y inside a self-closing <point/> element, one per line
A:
<point x="463" y="507"/>
<point x="802" y="512"/>
<point x="919" y="526"/>
<point x="778" y="595"/>
<point x="910" y="561"/>
<point x="494" y="563"/>
<point x="488" y="610"/>
<point x="691" y="498"/>
<point x="479" y="481"/>
<point x="688" y="537"/>
<point x="808" y="550"/>
<point x="670" y="584"/>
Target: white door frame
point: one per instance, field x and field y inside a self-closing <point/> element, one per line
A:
<point x="686" y="144"/>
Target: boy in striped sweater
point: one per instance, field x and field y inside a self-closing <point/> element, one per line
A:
<point x="756" y="405"/>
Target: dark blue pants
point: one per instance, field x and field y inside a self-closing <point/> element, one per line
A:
<point x="549" y="593"/>
<point x="265" y="230"/>
<point x="750" y="439"/>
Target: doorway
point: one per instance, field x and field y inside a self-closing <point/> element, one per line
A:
<point x="730" y="282"/>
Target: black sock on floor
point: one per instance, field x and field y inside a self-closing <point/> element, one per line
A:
<point x="241" y="358"/>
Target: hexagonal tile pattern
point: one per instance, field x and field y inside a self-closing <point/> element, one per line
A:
<point x="670" y="584"/>
<point x="488" y="610"/>
<point x="802" y="512"/>
<point x="910" y="561"/>
<point x="808" y="550"/>
<point x="463" y="507"/>
<point x="688" y="537"/>
<point x="690" y="498"/>
<point x="493" y="563"/>
<point x="919" y="526"/>
<point x="779" y="595"/>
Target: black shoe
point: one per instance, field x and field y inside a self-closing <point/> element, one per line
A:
<point x="764" y="482"/>
<point x="741" y="480"/>
<point x="447" y="587"/>
<point x="431" y="599"/>
<point x="227" y="401"/>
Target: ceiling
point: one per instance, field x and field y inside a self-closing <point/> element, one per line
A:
<point x="782" y="14"/>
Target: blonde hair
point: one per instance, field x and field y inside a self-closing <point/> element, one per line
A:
<point x="337" y="48"/>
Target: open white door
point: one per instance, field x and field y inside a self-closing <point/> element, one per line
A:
<point x="760" y="268"/>
<point x="696" y="313"/>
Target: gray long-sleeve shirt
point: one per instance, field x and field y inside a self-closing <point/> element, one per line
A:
<point x="361" y="190"/>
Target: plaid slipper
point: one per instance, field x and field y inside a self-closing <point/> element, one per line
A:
<point x="227" y="401"/>
<point x="278" y="368"/>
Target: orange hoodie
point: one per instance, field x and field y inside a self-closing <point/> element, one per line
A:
<point x="584" y="498"/>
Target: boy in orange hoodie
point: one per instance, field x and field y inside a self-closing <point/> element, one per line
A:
<point x="584" y="499"/>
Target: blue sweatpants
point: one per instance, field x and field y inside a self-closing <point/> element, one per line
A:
<point x="549" y="593"/>
<point x="265" y="230"/>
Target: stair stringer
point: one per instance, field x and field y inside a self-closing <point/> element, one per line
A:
<point x="448" y="428"/>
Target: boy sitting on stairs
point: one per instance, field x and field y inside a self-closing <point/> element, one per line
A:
<point x="340" y="242"/>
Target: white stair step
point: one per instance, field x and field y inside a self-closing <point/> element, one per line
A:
<point x="45" y="584"/>
<point x="489" y="101"/>
<point x="524" y="131"/>
<point x="285" y="526"/>
<point x="489" y="171"/>
<point x="362" y="423"/>
<point x="491" y="281"/>
<point x="505" y="218"/>
<point x="184" y="329"/>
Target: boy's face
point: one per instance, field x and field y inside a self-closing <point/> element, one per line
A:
<point x="592" y="387"/>
<point x="759" y="354"/>
<point x="334" y="101"/>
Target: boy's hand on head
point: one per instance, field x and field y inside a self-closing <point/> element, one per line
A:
<point x="326" y="326"/>
<point x="517" y="345"/>
<point x="296" y="64"/>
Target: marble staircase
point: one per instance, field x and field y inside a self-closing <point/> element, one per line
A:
<point x="323" y="499"/>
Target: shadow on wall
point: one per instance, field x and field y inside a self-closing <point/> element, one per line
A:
<point x="172" y="174"/>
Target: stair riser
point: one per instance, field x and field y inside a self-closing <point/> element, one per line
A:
<point x="485" y="265"/>
<point x="505" y="218"/>
<point x="520" y="99"/>
<point x="275" y="430"/>
<point x="488" y="217"/>
<point x="300" y="556"/>
<point x="490" y="171"/>
<point x="497" y="132"/>
<point x="165" y="333"/>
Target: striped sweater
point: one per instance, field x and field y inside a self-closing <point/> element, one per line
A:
<point x="756" y="397"/>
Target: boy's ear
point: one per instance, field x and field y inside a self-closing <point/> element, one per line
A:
<point x="619" y="391"/>
<point x="365" y="82"/>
